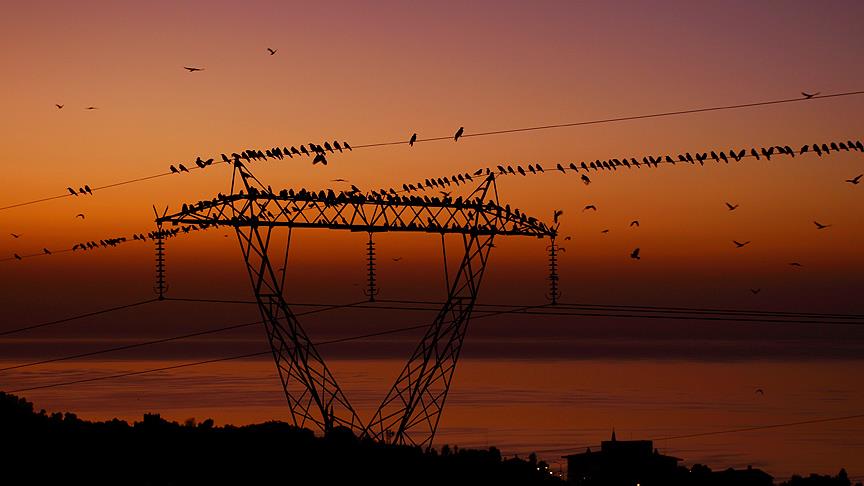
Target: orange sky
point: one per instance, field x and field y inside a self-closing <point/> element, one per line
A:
<point x="378" y="72"/>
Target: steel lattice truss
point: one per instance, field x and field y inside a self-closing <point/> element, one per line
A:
<point x="411" y="410"/>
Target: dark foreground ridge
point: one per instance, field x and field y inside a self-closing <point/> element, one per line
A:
<point x="38" y="448"/>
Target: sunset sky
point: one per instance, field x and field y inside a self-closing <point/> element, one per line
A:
<point x="368" y="72"/>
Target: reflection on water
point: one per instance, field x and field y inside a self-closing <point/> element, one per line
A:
<point x="520" y="406"/>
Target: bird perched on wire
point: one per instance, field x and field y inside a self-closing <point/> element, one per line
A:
<point x="458" y="134"/>
<point x="46" y="251"/>
<point x="738" y="244"/>
<point x="17" y="256"/>
<point x="732" y="207"/>
<point x="635" y="254"/>
<point x="821" y="226"/>
<point x="585" y="179"/>
<point x="71" y="191"/>
<point x="855" y="180"/>
<point x="412" y="140"/>
<point x="272" y="51"/>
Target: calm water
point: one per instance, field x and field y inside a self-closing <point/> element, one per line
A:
<point x="520" y="406"/>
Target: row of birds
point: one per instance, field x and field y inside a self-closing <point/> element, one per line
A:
<point x="114" y="242"/>
<point x="316" y="151"/>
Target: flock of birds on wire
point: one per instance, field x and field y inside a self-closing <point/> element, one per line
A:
<point x="319" y="152"/>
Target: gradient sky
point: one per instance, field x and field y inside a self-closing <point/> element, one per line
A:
<point x="379" y="71"/>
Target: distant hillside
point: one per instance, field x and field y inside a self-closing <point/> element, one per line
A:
<point x="43" y="449"/>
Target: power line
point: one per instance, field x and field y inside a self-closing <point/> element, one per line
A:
<point x="720" y="432"/>
<point x="160" y="341"/>
<point x="508" y="131"/>
<point x="72" y="318"/>
<point x="241" y="356"/>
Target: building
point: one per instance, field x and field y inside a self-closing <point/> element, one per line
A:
<point x="622" y="463"/>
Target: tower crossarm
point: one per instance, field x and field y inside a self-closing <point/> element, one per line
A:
<point x="357" y="212"/>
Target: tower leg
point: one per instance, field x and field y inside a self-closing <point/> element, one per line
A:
<point x="412" y="408"/>
<point x="314" y="397"/>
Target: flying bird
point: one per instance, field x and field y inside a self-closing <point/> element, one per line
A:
<point x="458" y="134"/>
<point x="855" y="180"/>
<point x="760" y="391"/>
<point x="821" y="226"/>
<point x="568" y="238"/>
<point x="412" y="140"/>
<point x="590" y="206"/>
<point x="635" y="254"/>
<point x="340" y="180"/>
<point x="271" y="51"/>
<point x="755" y="291"/>
<point x="635" y="223"/>
<point x="738" y="244"/>
<point x="319" y="158"/>
<point x="795" y="264"/>
<point x="80" y="215"/>
<point x="59" y="106"/>
<point x="585" y="179"/>
<point x="732" y="207"/>
<point x="397" y="259"/>
<point x="92" y="108"/>
<point x="810" y="95"/>
<point x="15" y="236"/>
<point x="192" y="69"/>
<point x="605" y="231"/>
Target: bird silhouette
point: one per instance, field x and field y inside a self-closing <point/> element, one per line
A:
<point x="192" y="69"/>
<point x="635" y="223"/>
<point x="59" y="106"/>
<point x="855" y="180"/>
<point x="738" y="244"/>
<point x="732" y="207"/>
<point x="17" y="256"/>
<point x="71" y="191"/>
<point x="87" y="188"/>
<point x="590" y="206"/>
<point x="272" y="51"/>
<point x="458" y="134"/>
<point x="809" y="95"/>
<point x="46" y="251"/>
<point x="182" y="168"/>
<point x="174" y="170"/>
<point x="605" y="231"/>
<point x="412" y="140"/>
<point x="320" y="158"/>
<point x="760" y="391"/>
<point x="585" y="179"/>
<point x="557" y="214"/>
<point x="635" y="254"/>
<point x="15" y="236"/>
<point x="339" y="180"/>
<point x="755" y="291"/>
<point x="80" y="215"/>
<point x="568" y="238"/>
<point x="92" y="108"/>
<point x="795" y="264"/>
<point x="821" y="226"/>
<point x="397" y="259"/>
